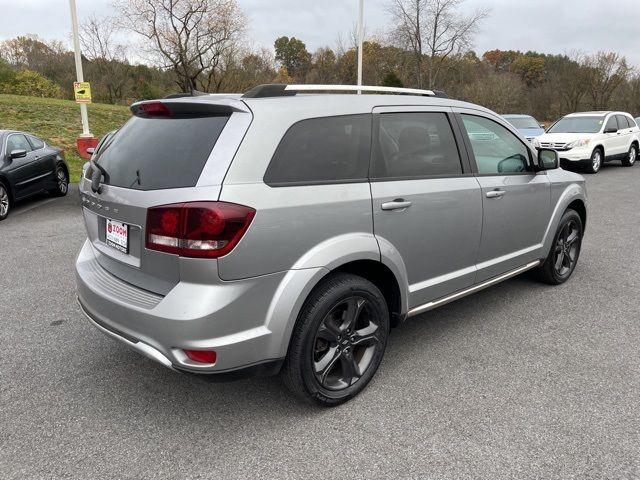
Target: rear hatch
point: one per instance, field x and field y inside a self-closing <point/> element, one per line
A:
<point x="169" y="152"/>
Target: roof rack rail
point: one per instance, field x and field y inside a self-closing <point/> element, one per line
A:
<point x="284" y="90"/>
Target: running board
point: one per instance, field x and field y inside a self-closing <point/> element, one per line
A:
<point x="463" y="293"/>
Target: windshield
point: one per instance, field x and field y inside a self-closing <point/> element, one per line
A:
<point x="159" y="153"/>
<point x="577" y="125"/>
<point x="523" y="122"/>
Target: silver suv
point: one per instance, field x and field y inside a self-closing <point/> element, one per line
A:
<point x="287" y="232"/>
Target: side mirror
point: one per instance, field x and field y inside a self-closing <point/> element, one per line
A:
<point x="610" y="130"/>
<point x="91" y="150"/>
<point x="547" y="159"/>
<point x="18" y="154"/>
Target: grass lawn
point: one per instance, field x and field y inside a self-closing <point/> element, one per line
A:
<point x="58" y="122"/>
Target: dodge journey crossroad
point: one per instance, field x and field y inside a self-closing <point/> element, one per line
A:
<point x="289" y="229"/>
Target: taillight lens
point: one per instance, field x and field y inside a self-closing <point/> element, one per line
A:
<point x="202" y="356"/>
<point x="197" y="229"/>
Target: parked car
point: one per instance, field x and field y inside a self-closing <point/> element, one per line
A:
<point x="29" y="166"/>
<point x="526" y="125"/>
<point x="283" y="233"/>
<point x="589" y="139"/>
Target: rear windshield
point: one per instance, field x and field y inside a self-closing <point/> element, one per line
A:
<point x="577" y="125"/>
<point x="159" y="153"/>
<point x="523" y="122"/>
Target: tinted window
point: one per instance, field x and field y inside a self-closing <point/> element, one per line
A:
<point x="623" y="122"/>
<point x="415" y="145"/>
<point x="36" y="143"/>
<point x="17" y="141"/>
<point x="329" y="149"/>
<point x="523" y="122"/>
<point x="611" y="123"/>
<point x="160" y="152"/>
<point x="582" y="124"/>
<point x="495" y="148"/>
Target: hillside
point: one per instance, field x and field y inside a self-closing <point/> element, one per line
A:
<point x="58" y="122"/>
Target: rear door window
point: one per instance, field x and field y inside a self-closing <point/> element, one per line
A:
<point x="623" y="122"/>
<point x="415" y="145"/>
<point x="35" y="142"/>
<point x="322" y="150"/>
<point x="160" y="153"/>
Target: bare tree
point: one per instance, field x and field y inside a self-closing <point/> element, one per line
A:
<point x="108" y="62"/>
<point x="192" y="37"/>
<point x="435" y="28"/>
<point x="607" y="72"/>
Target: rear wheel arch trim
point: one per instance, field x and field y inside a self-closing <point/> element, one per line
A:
<point x="292" y="300"/>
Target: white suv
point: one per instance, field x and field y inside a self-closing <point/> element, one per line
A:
<point x="589" y="139"/>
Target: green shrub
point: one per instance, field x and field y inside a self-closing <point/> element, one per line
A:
<point x="28" y="82"/>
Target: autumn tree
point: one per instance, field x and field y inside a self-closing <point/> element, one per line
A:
<point x="292" y="54"/>
<point x="323" y="67"/>
<point x="500" y="60"/>
<point x="194" y="38"/>
<point x="530" y="68"/>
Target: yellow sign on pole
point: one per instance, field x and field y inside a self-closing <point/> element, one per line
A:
<point x="82" y="91"/>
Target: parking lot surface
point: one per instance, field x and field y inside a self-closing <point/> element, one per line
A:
<point x="521" y="380"/>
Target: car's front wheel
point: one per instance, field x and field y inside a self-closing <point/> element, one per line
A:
<point x="338" y="342"/>
<point x="595" y="163"/>
<point x="631" y="157"/>
<point x="5" y="202"/>
<point x="565" y="251"/>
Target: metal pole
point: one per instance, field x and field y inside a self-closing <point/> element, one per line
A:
<point x="360" y="41"/>
<point x="76" y="48"/>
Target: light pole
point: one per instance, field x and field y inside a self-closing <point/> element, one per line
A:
<point x="360" y="40"/>
<point x="76" y="47"/>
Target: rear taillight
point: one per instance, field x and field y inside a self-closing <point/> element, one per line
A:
<point x="197" y="229"/>
<point x="202" y="356"/>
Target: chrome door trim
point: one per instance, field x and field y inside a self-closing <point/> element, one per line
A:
<point x="463" y="293"/>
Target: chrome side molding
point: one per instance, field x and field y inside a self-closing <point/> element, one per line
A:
<point x="463" y="293"/>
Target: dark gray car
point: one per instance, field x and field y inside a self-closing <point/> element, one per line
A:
<point x="288" y="233"/>
<point x="29" y="166"/>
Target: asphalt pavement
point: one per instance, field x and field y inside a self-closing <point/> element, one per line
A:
<point x="522" y="380"/>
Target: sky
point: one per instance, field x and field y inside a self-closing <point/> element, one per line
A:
<point x="548" y="26"/>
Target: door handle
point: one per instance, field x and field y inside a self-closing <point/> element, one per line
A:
<point x="495" y="193"/>
<point x="397" y="204"/>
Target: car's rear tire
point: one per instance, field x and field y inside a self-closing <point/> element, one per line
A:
<point x="5" y="201"/>
<point x="62" y="182"/>
<point x="338" y="341"/>
<point x="596" y="161"/>
<point x="565" y="251"/>
<point x="631" y="157"/>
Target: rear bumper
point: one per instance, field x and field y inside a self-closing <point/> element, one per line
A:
<point x="233" y="318"/>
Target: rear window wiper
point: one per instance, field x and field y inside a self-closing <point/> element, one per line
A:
<point x="98" y="173"/>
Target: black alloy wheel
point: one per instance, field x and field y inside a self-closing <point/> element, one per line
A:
<point x="338" y="341"/>
<point x="564" y="254"/>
